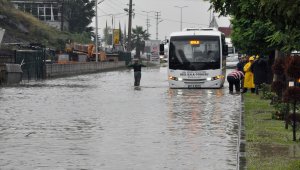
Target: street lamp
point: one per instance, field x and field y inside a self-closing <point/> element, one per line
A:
<point x="180" y="15"/>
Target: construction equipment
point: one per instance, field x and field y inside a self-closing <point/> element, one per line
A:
<point x="87" y="49"/>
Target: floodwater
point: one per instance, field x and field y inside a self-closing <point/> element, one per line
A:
<point x="100" y="121"/>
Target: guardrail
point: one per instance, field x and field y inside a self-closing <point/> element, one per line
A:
<point x="57" y="70"/>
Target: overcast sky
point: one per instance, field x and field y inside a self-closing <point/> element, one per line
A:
<point x="195" y="14"/>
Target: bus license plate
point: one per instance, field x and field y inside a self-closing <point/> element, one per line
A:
<point x="194" y="86"/>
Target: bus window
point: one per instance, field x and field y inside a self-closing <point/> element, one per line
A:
<point x="195" y="56"/>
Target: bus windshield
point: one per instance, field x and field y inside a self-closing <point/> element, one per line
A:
<point x="194" y="53"/>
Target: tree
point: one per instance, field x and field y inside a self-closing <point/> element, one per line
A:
<point x="249" y="33"/>
<point x="138" y="39"/>
<point x="250" y="36"/>
<point x="285" y="16"/>
<point x="79" y="14"/>
<point x="107" y="35"/>
<point x="285" y="34"/>
<point x="121" y="34"/>
<point x="236" y="8"/>
<point x="282" y="14"/>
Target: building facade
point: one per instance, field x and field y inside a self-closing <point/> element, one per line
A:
<point x="49" y="11"/>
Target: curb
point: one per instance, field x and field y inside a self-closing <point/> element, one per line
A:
<point x="241" y="156"/>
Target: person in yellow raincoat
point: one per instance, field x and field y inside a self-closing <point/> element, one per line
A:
<point x="249" y="77"/>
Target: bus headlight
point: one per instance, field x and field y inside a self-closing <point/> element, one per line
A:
<point x="219" y="77"/>
<point x="215" y="78"/>
<point x="172" y="78"/>
<point x="175" y="78"/>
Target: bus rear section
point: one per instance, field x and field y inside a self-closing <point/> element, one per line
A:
<point x="196" y="59"/>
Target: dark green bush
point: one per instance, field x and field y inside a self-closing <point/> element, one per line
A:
<point x="267" y="94"/>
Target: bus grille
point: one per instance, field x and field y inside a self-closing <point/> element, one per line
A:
<point x="194" y="80"/>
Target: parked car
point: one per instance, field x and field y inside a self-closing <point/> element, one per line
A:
<point x="231" y="61"/>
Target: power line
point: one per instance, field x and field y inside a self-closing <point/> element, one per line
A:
<point x="170" y="20"/>
<point x="191" y="23"/>
<point x="117" y="4"/>
<point x="113" y="6"/>
<point x="102" y="10"/>
<point x="121" y="2"/>
<point x="115" y="14"/>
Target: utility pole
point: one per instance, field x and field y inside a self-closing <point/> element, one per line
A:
<point x="147" y="23"/>
<point x="209" y="16"/>
<point x="157" y="15"/>
<point x="96" y="26"/>
<point x="96" y="31"/>
<point x="129" y="26"/>
<point x="148" y="20"/>
<point x="113" y="29"/>
<point x="62" y="16"/>
<point x="180" y="15"/>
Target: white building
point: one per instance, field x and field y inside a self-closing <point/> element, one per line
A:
<point x="49" y="11"/>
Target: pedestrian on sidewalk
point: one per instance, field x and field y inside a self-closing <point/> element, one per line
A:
<point x="259" y="69"/>
<point x="235" y="78"/>
<point x="137" y="68"/>
<point x="242" y="62"/>
<point x="249" y="78"/>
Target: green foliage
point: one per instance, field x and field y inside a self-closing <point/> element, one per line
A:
<point x="139" y="35"/>
<point x="23" y="27"/>
<point x="84" y="37"/>
<point x="266" y="92"/>
<point x="107" y="35"/>
<point x="249" y="36"/>
<point x="40" y="33"/>
<point x="294" y="165"/>
<point x="60" y="44"/>
<point x="283" y="16"/>
<point x="280" y="108"/>
<point x="236" y="8"/>
<point x="289" y="40"/>
<point x="4" y="2"/>
<point x="79" y="14"/>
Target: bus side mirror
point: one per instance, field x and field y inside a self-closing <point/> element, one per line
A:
<point x="225" y="50"/>
<point x="161" y="49"/>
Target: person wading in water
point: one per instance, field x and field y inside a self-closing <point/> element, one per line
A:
<point x="137" y="67"/>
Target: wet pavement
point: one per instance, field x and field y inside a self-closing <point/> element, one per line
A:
<point x="100" y="121"/>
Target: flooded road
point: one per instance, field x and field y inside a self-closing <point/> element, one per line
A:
<point x="99" y="121"/>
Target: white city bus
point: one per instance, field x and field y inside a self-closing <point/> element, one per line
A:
<point x="197" y="58"/>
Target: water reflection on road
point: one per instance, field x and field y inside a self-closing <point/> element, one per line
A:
<point x="100" y="121"/>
